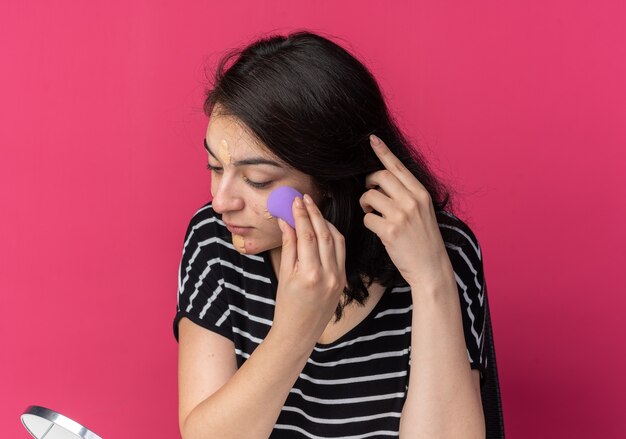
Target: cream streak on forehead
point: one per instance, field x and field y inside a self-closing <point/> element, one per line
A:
<point x="223" y="152"/>
<point x="239" y="139"/>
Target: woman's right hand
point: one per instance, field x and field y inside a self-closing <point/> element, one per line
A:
<point x="312" y="274"/>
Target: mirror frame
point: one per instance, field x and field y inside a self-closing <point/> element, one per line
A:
<point x="57" y="419"/>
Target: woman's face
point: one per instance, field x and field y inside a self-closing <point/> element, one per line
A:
<point x="245" y="176"/>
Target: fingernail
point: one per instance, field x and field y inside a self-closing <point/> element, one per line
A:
<point x="375" y="140"/>
<point x="307" y="199"/>
<point x="298" y="202"/>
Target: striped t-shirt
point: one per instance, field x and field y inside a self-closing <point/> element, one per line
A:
<point x="354" y="387"/>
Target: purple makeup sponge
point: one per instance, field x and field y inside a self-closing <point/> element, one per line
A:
<point x="279" y="203"/>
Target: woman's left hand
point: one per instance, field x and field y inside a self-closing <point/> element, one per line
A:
<point x="408" y="225"/>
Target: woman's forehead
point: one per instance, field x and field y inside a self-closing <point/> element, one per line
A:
<point x="238" y="139"/>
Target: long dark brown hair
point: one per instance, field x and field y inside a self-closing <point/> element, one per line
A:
<point x="314" y="105"/>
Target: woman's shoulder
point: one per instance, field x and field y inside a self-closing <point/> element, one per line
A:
<point x="206" y="232"/>
<point x="205" y="215"/>
<point x="463" y="248"/>
<point x="456" y="231"/>
<point x="205" y="222"/>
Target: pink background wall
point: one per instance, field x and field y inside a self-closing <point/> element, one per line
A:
<point x="521" y="104"/>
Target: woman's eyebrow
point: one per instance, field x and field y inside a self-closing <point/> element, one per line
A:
<point x="245" y="162"/>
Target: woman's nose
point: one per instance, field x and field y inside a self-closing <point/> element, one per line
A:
<point x="225" y="197"/>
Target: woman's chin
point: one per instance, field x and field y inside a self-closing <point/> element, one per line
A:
<point x="250" y="246"/>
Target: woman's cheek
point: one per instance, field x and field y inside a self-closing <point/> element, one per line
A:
<point x="273" y="235"/>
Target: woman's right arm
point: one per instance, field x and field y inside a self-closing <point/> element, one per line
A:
<point x="217" y="400"/>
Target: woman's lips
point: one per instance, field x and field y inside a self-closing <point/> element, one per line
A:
<point x="238" y="230"/>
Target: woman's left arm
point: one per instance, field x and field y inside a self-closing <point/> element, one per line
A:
<point x="443" y="399"/>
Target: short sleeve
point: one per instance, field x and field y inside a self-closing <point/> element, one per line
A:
<point x="466" y="258"/>
<point x="201" y="295"/>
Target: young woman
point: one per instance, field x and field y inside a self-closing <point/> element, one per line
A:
<point x="367" y="319"/>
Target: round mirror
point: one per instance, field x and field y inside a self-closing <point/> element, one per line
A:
<point x="45" y="423"/>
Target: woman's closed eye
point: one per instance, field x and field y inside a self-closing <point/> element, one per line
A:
<point x="212" y="168"/>
<point x="254" y="184"/>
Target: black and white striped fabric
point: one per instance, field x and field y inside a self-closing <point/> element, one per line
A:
<point x="352" y="388"/>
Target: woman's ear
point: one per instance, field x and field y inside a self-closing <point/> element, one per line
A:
<point x="320" y="196"/>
